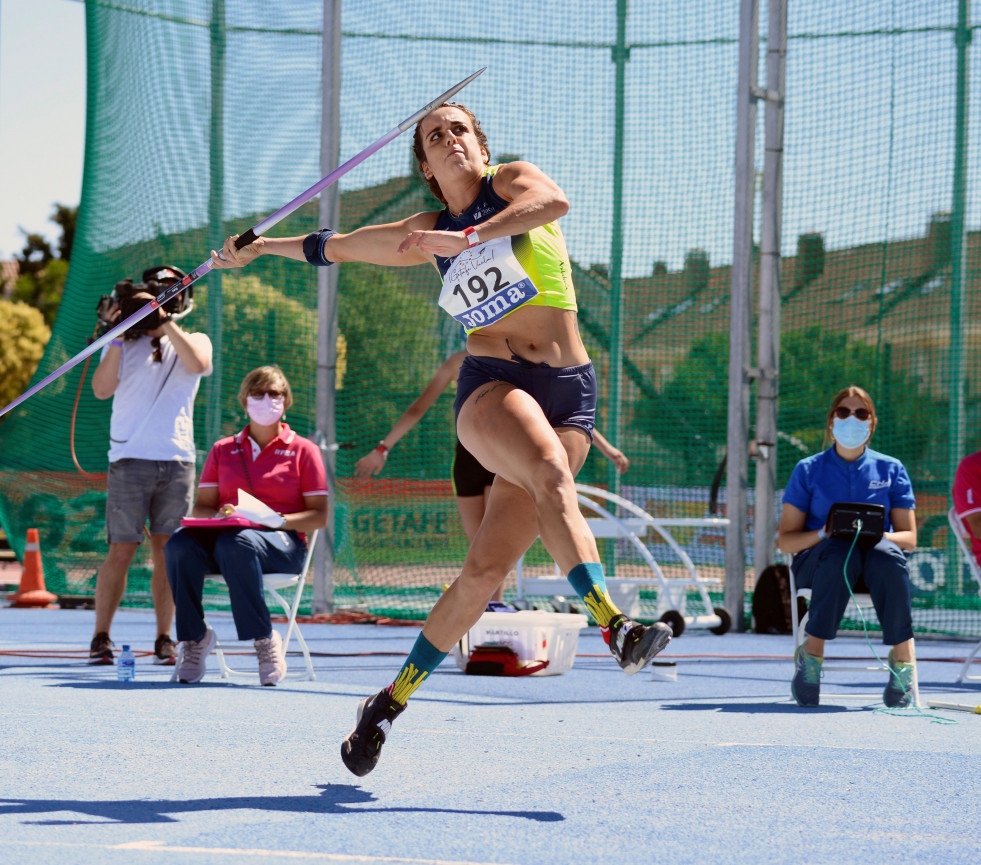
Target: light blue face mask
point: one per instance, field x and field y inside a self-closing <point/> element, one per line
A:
<point x="851" y="432"/>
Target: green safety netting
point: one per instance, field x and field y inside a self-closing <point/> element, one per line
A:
<point x="204" y="117"/>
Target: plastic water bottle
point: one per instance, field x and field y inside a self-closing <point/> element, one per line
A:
<point x="126" y="665"/>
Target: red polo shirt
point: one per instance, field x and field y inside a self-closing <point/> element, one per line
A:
<point x="285" y="470"/>
<point x="967" y="494"/>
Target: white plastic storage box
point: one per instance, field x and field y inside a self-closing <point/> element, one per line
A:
<point x="534" y="635"/>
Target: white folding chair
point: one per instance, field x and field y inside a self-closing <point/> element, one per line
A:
<point x="964" y="542"/>
<point x="674" y="604"/>
<point x="274" y="584"/>
<point x="859" y="606"/>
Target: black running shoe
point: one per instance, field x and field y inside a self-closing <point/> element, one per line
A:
<point x="634" y="645"/>
<point x="100" y="649"/>
<point x="360" y="749"/>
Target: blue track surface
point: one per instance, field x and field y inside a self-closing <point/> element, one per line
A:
<point x="587" y="767"/>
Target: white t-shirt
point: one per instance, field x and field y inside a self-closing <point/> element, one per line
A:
<point x="153" y="406"/>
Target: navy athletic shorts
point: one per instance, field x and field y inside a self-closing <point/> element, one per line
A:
<point x="567" y="395"/>
<point x="470" y="478"/>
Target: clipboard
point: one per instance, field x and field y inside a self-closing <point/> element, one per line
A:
<point x="249" y="514"/>
<point x="220" y="523"/>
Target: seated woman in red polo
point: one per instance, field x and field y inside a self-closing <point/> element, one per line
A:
<point x="285" y="472"/>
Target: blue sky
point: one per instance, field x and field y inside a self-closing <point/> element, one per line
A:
<point x="678" y="159"/>
<point x="42" y="114"/>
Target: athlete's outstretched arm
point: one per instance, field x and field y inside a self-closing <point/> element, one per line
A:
<point x="613" y="454"/>
<point x="374" y="461"/>
<point x="374" y="244"/>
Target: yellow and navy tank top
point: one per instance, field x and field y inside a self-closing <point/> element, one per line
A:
<point x="489" y="281"/>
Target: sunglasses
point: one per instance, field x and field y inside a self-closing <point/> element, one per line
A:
<point x="861" y="413"/>
<point x="272" y="394"/>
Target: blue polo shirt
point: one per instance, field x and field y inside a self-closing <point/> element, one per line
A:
<point x="825" y="478"/>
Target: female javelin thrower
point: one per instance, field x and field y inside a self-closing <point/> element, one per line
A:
<point x="471" y="481"/>
<point x="526" y="394"/>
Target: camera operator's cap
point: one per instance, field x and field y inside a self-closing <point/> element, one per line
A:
<point x="162" y="273"/>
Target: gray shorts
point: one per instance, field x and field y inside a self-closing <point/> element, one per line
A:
<point x="136" y="490"/>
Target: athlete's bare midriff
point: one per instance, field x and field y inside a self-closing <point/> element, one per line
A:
<point x="536" y="333"/>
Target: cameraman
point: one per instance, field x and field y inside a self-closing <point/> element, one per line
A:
<point x="153" y="375"/>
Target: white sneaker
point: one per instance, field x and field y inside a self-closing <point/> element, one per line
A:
<point x="272" y="659"/>
<point x="194" y="657"/>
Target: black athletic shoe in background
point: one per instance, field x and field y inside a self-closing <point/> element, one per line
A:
<point x="100" y="649"/>
<point x="164" y="651"/>
<point x="360" y="749"/>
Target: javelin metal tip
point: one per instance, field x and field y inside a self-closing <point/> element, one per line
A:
<point x="439" y="100"/>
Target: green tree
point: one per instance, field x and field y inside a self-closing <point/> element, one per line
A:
<point x="65" y="218"/>
<point x="816" y="363"/>
<point x="35" y="255"/>
<point x="386" y="348"/>
<point x="44" y="289"/>
<point x="261" y="324"/>
<point x="392" y="350"/>
<point x="690" y="421"/>
<point x="23" y="336"/>
<point x="43" y="274"/>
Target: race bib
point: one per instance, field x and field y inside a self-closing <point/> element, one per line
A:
<point x="484" y="284"/>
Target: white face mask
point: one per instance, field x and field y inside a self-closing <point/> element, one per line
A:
<point x="265" y="410"/>
<point x="851" y="432"/>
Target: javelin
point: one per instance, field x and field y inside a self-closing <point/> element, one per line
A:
<point x="243" y="240"/>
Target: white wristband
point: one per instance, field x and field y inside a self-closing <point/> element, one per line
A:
<point x="821" y="534"/>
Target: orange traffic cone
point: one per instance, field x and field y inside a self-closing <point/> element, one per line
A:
<point x="32" y="592"/>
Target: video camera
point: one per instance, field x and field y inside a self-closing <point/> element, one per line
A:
<point x="128" y="297"/>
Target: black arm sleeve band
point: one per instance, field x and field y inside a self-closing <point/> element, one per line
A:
<point x="313" y="247"/>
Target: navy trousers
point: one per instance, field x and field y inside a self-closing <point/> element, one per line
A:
<point x="885" y="572"/>
<point x="242" y="556"/>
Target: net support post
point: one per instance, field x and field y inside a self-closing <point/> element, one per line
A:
<point x="329" y="211"/>
<point x="958" y="270"/>
<point x="218" y="34"/>
<point x="737" y="442"/>
<point x="614" y="408"/>
<point x="768" y="326"/>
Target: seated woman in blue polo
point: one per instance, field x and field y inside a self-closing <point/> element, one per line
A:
<point x="850" y="471"/>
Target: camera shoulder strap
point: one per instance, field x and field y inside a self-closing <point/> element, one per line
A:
<point x="149" y="412"/>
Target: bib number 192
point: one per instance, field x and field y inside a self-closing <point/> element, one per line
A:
<point x="479" y="288"/>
